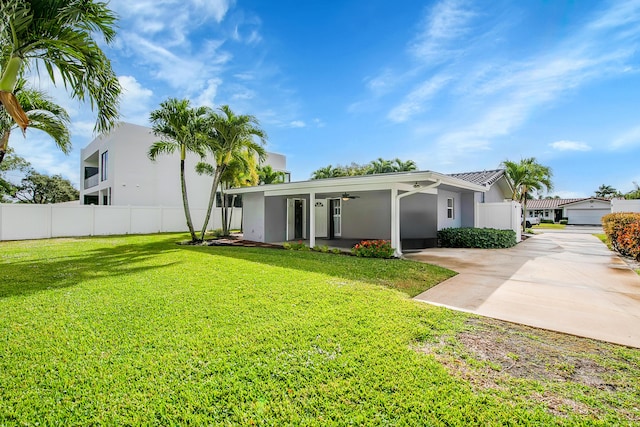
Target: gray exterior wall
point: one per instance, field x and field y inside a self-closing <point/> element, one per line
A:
<point x="468" y="204"/>
<point x="419" y="216"/>
<point x="494" y="194"/>
<point x="443" y="221"/>
<point x="368" y="217"/>
<point x="253" y="217"/>
<point x="275" y="227"/>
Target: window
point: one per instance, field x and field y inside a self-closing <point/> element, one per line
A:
<point x="104" y="165"/>
<point x="450" y="208"/>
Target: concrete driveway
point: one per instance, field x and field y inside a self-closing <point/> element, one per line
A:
<point x="565" y="281"/>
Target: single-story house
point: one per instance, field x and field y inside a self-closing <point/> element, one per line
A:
<point x="407" y="208"/>
<point x="582" y="211"/>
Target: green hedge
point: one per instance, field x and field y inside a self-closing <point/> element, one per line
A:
<point x="564" y="221"/>
<point x="547" y="221"/>
<point x="486" y="238"/>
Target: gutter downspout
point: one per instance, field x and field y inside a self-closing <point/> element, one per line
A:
<point x="396" y="223"/>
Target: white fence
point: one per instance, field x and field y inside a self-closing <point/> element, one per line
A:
<point x="502" y="216"/>
<point x="26" y="221"/>
<point x="619" y="205"/>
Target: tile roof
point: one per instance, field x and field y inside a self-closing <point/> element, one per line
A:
<point x="481" y="178"/>
<point x="556" y="203"/>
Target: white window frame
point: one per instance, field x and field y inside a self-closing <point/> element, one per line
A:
<point x="451" y="203"/>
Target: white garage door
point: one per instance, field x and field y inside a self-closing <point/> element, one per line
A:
<point x="586" y="216"/>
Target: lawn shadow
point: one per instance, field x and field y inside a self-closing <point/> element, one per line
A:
<point x="407" y="276"/>
<point x="24" y="277"/>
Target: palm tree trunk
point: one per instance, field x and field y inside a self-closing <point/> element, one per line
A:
<point x="185" y="203"/>
<point x="212" y="198"/>
<point x="4" y="143"/>
<point x="233" y="204"/>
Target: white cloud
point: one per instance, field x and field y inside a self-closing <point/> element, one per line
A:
<point x="134" y="103"/>
<point x="297" y="124"/>
<point x="448" y="21"/>
<point x="570" y="146"/>
<point x="319" y="123"/>
<point x="630" y="138"/>
<point x="208" y="95"/>
<point x="414" y="102"/>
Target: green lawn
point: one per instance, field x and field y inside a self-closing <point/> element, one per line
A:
<point x="549" y="226"/>
<point x="137" y="330"/>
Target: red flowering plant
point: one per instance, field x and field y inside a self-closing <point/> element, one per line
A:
<point x="373" y="249"/>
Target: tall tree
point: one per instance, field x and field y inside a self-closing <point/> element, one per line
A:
<point x="406" y="166"/>
<point x="41" y="188"/>
<point x="43" y="114"/>
<point x="230" y="137"/>
<point x="633" y="194"/>
<point x="180" y="127"/>
<point x="267" y="175"/>
<point x="13" y="164"/>
<point x="606" y="191"/>
<point x="60" y="35"/>
<point x="381" y="166"/>
<point x="526" y="176"/>
<point x="328" y="172"/>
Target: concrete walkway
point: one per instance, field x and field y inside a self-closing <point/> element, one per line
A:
<point x="562" y="281"/>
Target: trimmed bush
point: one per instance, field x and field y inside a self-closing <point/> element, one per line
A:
<point x="623" y="231"/>
<point x="373" y="249"/>
<point x="547" y="221"/>
<point x="564" y="221"/>
<point x="485" y="238"/>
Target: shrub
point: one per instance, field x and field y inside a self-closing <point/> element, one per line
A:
<point x="296" y="246"/>
<point x="547" y="221"/>
<point x="485" y="238"/>
<point x="217" y="233"/>
<point x="373" y="249"/>
<point x="321" y="248"/>
<point x="564" y="221"/>
<point x="623" y="231"/>
<point x="336" y="251"/>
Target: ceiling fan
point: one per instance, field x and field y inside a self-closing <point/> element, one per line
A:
<point x="347" y="196"/>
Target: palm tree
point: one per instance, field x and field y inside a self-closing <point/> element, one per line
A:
<point x="407" y="166"/>
<point x="381" y="166"/>
<point x="230" y="137"/>
<point x="328" y="172"/>
<point x="179" y="126"/>
<point x="43" y="114"/>
<point x="633" y="194"/>
<point x="606" y="191"/>
<point x="269" y="176"/>
<point x="60" y="35"/>
<point x="525" y="176"/>
<point x="239" y="173"/>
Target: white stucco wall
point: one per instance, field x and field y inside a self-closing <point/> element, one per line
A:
<point x="618" y="205"/>
<point x="137" y="181"/>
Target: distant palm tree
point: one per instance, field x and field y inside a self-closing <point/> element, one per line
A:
<point x="229" y="137"/>
<point x="43" y="114"/>
<point x="381" y="166"/>
<point x="606" y="191"/>
<point x="407" y="166"/>
<point x="60" y="35"/>
<point x="525" y="176"/>
<point x="269" y="176"/>
<point x="328" y="172"/>
<point x="179" y="126"/>
<point x="633" y="194"/>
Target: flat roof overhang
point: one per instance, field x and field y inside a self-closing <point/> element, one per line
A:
<point x="402" y="181"/>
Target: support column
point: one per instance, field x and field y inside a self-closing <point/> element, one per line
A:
<point x="312" y="219"/>
<point x="395" y="222"/>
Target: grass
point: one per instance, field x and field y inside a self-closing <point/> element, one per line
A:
<point x="550" y="226"/>
<point x="137" y="330"/>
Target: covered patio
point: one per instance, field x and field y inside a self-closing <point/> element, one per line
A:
<point x="405" y="208"/>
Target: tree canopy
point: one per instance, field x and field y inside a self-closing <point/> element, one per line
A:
<point x="526" y="176"/>
<point x="377" y="166"/>
<point x="41" y="188"/>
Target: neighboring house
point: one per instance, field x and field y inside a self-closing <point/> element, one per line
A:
<point x="582" y="211"/>
<point x="115" y="170"/>
<point x="406" y="208"/>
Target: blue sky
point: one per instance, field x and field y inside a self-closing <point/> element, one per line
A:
<point x="453" y="85"/>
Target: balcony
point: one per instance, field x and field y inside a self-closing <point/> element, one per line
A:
<point x="91" y="181"/>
